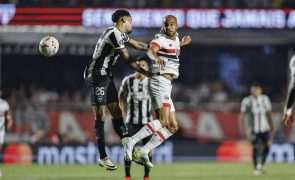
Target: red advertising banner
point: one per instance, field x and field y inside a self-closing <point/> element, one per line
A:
<point x="151" y="17"/>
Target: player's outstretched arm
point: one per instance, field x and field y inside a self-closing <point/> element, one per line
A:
<point x="9" y="119"/>
<point x="152" y="54"/>
<point x="185" y="41"/>
<point x="132" y="64"/>
<point x="138" y="45"/>
<point x="289" y="102"/>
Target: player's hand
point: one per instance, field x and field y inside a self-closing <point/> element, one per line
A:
<point x="287" y="120"/>
<point x="186" y="40"/>
<point x="149" y="74"/>
<point x="160" y="62"/>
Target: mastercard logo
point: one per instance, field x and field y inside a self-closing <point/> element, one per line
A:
<point x="234" y="151"/>
<point x="18" y="154"/>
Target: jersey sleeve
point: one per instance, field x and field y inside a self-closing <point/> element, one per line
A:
<point x="292" y="66"/>
<point x="244" y="105"/>
<point x="267" y="103"/>
<point x="118" y="40"/>
<point x="124" y="85"/>
<point x="156" y="42"/>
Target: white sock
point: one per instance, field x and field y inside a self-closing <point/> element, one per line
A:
<point x="158" y="138"/>
<point x="147" y="130"/>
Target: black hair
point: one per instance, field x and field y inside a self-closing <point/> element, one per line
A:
<point x="118" y="14"/>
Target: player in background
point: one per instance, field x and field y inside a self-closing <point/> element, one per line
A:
<point x="287" y="116"/>
<point x="256" y="116"/>
<point x="135" y="103"/>
<point x="99" y="79"/>
<point x="6" y="120"/>
<point x="164" y="51"/>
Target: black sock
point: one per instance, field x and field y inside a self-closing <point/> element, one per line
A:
<point x="264" y="154"/>
<point x="254" y="156"/>
<point x="127" y="167"/>
<point x="120" y="127"/>
<point x="99" y="132"/>
<point x="147" y="169"/>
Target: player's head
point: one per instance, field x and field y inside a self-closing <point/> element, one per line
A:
<point x="256" y="90"/>
<point x="123" y="18"/>
<point x="170" y="25"/>
<point x="143" y="63"/>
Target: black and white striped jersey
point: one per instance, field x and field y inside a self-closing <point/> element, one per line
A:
<point x="138" y="99"/>
<point x="105" y="55"/>
<point x="256" y="110"/>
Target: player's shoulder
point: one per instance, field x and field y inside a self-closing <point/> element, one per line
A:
<point x="3" y="103"/>
<point x="292" y="62"/>
<point x="246" y="99"/>
<point x="160" y="36"/>
<point x="264" y="96"/>
<point x="130" y="76"/>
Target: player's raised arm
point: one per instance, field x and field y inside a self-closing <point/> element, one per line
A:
<point x="132" y="64"/>
<point x="152" y="54"/>
<point x="185" y="41"/>
<point x="138" y="44"/>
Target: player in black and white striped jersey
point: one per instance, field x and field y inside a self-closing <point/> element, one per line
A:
<point x="135" y="103"/>
<point x="99" y="79"/>
<point x="256" y="112"/>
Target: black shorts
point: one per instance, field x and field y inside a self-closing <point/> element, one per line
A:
<point x="134" y="128"/>
<point x="102" y="90"/>
<point x="260" y="137"/>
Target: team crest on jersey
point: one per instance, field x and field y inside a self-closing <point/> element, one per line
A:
<point x="99" y="98"/>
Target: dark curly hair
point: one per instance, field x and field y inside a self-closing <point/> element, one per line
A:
<point x="118" y="14"/>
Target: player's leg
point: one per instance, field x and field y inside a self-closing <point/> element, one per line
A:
<point x="98" y="91"/>
<point x="114" y="109"/>
<point x="118" y="122"/>
<point x="266" y="146"/>
<point x="255" y="149"/>
<point x="147" y="169"/>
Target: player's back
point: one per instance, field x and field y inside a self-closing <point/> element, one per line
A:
<point x="105" y="55"/>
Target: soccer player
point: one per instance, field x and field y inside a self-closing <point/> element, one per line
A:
<point x="6" y="120"/>
<point x="257" y="120"/>
<point x="135" y="103"/>
<point x="164" y="51"/>
<point x="287" y="117"/>
<point x="98" y="77"/>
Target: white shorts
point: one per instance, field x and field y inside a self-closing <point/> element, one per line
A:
<point x="160" y="91"/>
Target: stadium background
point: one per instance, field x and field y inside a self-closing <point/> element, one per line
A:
<point x="235" y="43"/>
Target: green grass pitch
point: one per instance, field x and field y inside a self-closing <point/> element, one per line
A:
<point x="174" y="171"/>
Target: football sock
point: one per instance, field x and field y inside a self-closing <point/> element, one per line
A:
<point x="120" y="127"/>
<point x="99" y="133"/>
<point x="147" y="130"/>
<point x="264" y="154"/>
<point x="147" y="169"/>
<point x="158" y="138"/>
<point x="127" y="167"/>
<point x="254" y="156"/>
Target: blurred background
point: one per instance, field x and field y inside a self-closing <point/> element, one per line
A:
<point x="235" y="43"/>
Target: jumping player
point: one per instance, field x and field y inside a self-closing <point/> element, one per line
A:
<point x="98" y="77"/>
<point x="164" y="51"/>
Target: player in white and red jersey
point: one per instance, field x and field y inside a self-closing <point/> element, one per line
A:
<point x="164" y="51"/>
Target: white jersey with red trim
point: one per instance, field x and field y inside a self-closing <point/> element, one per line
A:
<point x="169" y="52"/>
